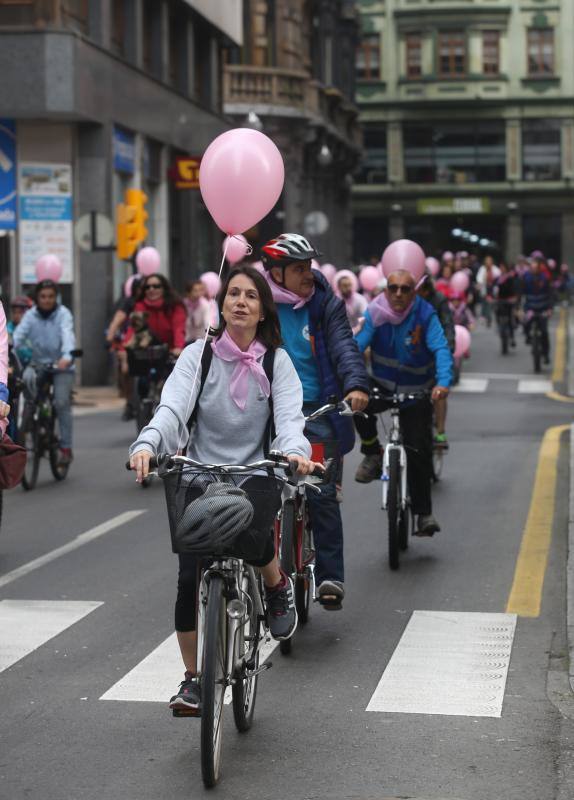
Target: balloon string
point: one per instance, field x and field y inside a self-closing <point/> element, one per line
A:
<point x="198" y="367"/>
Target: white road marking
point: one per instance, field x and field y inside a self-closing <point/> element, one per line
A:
<point x="156" y="678"/>
<point x="533" y="386"/>
<point x="471" y="385"/>
<point x="452" y="663"/>
<point x="500" y="376"/>
<point x="25" y="625"/>
<point x="79" y="541"/>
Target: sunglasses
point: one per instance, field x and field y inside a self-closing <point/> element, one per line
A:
<point x="394" y="288"/>
<point x="153" y="286"/>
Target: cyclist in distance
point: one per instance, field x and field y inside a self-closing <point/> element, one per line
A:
<point x="166" y="315"/>
<point x="317" y="335"/>
<point x="409" y="353"/>
<point x="536" y="290"/>
<point x="232" y="422"/>
<point x="48" y="328"/>
<point x="506" y="294"/>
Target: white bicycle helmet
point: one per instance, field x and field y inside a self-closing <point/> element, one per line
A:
<point x="287" y="248"/>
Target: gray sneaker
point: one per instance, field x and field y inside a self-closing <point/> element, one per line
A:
<point x="281" y="612"/>
<point x="427" y="525"/>
<point x="369" y="469"/>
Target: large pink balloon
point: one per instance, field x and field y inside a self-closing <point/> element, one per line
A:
<point x="369" y="277"/>
<point x="148" y="261"/>
<point x="49" y="268"/>
<point x="212" y="283"/>
<point x="462" y="341"/>
<point x="433" y="266"/>
<point x="448" y="255"/>
<point x="241" y="178"/>
<point x="235" y="248"/>
<point x="404" y="255"/>
<point x="329" y="271"/>
<point x="346" y="273"/>
<point x="460" y="281"/>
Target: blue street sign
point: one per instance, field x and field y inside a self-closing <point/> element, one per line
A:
<point x="8" y="195"/>
<point x="124" y="151"/>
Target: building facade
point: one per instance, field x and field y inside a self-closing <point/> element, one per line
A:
<point x="294" y="78"/>
<point x="468" y="118"/>
<point x="98" y="96"/>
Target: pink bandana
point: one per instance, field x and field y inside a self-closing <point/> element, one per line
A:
<point x="282" y="295"/>
<point x="381" y="311"/>
<point x="247" y="362"/>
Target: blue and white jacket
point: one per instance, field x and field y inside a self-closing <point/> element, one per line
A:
<point x="411" y="356"/>
<point x="51" y="337"/>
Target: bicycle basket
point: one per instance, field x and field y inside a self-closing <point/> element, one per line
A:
<point x="141" y="362"/>
<point x="252" y="503"/>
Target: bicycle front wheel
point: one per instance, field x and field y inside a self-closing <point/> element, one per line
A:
<point x="394" y="508"/>
<point x="29" y="439"/>
<point x="244" y="689"/>
<point x="213" y="681"/>
<point x="286" y="554"/>
<point x="536" y="348"/>
<point x="59" y="470"/>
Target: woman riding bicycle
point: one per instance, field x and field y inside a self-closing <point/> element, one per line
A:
<point x="231" y="424"/>
<point x="166" y="315"/>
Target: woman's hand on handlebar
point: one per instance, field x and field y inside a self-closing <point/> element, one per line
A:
<point x="4" y="410"/>
<point x="140" y="463"/>
<point x="303" y="466"/>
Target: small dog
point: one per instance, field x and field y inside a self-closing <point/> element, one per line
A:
<point x="142" y="337"/>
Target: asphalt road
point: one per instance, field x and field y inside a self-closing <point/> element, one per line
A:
<point x="312" y="738"/>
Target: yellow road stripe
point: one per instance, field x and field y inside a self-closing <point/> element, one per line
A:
<point x="560" y="398"/>
<point x="526" y="593"/>
<point x="560" y="349"/>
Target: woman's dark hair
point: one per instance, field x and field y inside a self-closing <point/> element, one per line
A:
<point x="268" y="331"/>
<point x="45" y="284"/>
<point x="170" y="296"/>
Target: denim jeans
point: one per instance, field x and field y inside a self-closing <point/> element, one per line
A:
<point x="324" y="510"/>
<point x="63" y="385"/>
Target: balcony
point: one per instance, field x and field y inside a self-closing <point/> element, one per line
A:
<point x="270" y="91"/>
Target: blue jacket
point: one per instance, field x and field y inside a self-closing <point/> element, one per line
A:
<point x="51" y="338"/>
<point x="411" y="356"/>
<point x="537" y="292"/>
<point x="339" y="363"/>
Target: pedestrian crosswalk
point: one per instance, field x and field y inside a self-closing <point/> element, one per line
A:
<point x="480" y="383"/>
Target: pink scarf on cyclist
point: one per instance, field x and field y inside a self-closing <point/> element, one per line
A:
<point x="247" y="363"/>
<point x="282" y="295"/>
<point x="380" y="311"/>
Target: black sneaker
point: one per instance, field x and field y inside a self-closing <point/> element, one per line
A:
<point x="187" y="702"/>
<point x="369" y="469"/>
<point x="427" y="525"/>
<point x="281" y="613"/>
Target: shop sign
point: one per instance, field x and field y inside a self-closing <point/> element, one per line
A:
<point x="8" y="194"/>
<point x="124" y="151"/>
<point x="46" y="212"/>
<point x="185" y="173"/>
<point x="454" y="205"/>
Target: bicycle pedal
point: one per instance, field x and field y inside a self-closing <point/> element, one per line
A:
<point x="186" y="712"/>
<point x="251" y="673"/>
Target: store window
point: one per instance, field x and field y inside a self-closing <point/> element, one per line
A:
<point x="374" y="165"/>
<point x="541" y="150"/>
<point x="452" y="54"/>
<point x="542" y="232"/>
<point x="119" y="27"/>
<point x="368" y="63"/>
<point x="491" y="52"/>
<point x="455" y="152"/>
<point x="540" y="51"/>
<point x="414" y="55"/>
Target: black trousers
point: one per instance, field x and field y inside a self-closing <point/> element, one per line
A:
<point x="416" y="429"/>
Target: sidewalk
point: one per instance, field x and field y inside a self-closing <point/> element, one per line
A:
<point x="95" y="400"/>
<point x="570" y="557"/>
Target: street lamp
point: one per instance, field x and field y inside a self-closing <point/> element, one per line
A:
<point x="325" y="156"/>
<point x="253" y="121"/>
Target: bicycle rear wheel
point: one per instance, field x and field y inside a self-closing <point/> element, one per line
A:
<point x="244" y="689"/>
<point x="394" y="508"/>
<point x="437" y="463"/>
<point x="213" y="682"/>
<point x="287" y="554"/>
<point x="536" y="347"/>
<point x="59" y="471"/>
<point x="29" y="439"/>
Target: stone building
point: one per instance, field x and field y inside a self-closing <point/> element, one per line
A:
<point x="468" y="118"/>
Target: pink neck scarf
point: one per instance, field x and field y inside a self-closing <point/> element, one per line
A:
<point x="282" y="295"/>
<point x="381" y="311"/>
<point x="247" y="363"/>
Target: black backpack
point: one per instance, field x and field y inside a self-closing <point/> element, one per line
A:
<point x="268" y="362"/>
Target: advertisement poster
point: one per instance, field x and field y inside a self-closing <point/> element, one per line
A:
<point x="7" y="175"/>
<point x="46" y="217"/>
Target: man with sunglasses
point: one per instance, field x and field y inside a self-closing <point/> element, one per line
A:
<point x="409" y="353"/>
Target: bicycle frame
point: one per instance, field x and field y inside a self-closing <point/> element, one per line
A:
<point x="394" y="443"/>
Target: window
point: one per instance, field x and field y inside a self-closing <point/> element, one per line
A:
<point x="540" y="51"/>
<point x="374" y="165"/>
<point x="118" y="38"/>
<point x="451" y="54"/>
<point x="368" y="62"/>
<point x="455" y="152"/>
<point x="414" y="53"/>
<point x="541" y="150"/>
<point x="491" y="52"/>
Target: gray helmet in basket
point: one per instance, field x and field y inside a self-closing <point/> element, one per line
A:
<point x="212" y="522"/>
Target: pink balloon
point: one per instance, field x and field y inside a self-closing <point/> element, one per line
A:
<point x="369" y="277"/>
<point x="235" y="248"/>
<point x="241" y="178"/>
<point x="447" y="255"/>
<point x="129" y="285"/>
<point x="345" y="273"/>
<point x="551" y="263"/>
<point x="212" y="283"/>
<point x="404" y="255"/>
<point x="329" y="271"/>
<point x="433" y="266"/>
<point x="460" y="282"/>
<point x="148" y="261"/>
<point x="49" y="268"/>
<point x="462" y="339"/>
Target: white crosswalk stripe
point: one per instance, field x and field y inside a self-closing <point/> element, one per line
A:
<point x="26" y="625"/>
<point x="523" y="384"/>
<point x="472" y="385"/>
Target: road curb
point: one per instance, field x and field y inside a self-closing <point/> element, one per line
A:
<point x="570" y="353"/>
<point x="570" y="568"/>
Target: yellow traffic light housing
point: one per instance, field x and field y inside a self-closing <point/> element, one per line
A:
<point x="136" y="198"/>
<point x="126" y="241"/>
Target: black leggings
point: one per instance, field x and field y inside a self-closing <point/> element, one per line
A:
<point x="256" y="545"/>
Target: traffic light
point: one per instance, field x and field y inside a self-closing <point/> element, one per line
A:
<point x="136" y="198"/>
<point x="126" y="242"/>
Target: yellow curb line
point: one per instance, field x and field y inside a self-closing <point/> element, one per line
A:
<point x="560" y="349"/>
<point x="560" y="398"/>
<point x="526" y="594"/>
